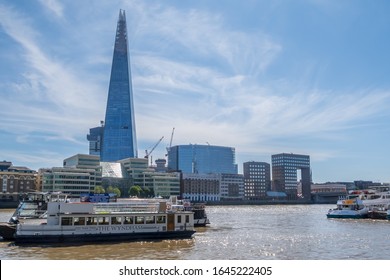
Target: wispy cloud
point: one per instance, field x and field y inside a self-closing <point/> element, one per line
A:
<point x="194" y="35"/>
<point x="54" y="6"/>
<point x="51" y="97"/>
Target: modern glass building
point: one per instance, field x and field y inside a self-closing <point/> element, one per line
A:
<point x="202" y="159"/>
<point x="95" y="138"/>
<point x="119" y="135"/>
<point x="285" y="174"/>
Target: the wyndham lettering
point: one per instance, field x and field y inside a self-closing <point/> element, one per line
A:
<point x="109" y="228"/>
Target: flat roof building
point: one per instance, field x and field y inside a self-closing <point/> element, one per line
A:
<point x="285" y="174"/>
<point x="257" y="179"/>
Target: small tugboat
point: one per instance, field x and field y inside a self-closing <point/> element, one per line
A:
<point x="73" y="222"/>
<point x="349" y="207"/>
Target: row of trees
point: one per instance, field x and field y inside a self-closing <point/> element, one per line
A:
<point x="132" y="191"/>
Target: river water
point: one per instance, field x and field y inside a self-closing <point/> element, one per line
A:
<point x="263" y="232"/>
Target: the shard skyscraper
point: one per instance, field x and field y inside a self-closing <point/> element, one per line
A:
<point x="119" y="135"/>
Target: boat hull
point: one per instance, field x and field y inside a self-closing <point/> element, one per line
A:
<point x="348" y="214"/>
<point x="101" y="238"/>
<point x="7" y="231"/>
<point x="381" y="215"/>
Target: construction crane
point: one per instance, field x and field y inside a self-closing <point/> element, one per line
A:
<point x="170" y="143"/>
<point x="147" y="154"/>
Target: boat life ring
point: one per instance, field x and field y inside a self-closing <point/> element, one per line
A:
<point x="168" y="207"/>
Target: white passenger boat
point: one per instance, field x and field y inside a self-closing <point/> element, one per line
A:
<point x="102" y="222"/>
<point x="349" y="207"/>
<point x="377" y="203"/>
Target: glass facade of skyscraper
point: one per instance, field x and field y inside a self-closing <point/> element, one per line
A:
<point x="95" y="138"/>
<point x="119" y="136"/>
<point x="202" y="159"/>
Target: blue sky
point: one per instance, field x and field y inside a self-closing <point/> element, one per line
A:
<point x="304" y="76"/>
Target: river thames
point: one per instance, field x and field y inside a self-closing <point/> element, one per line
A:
<point x="261" y="232"/>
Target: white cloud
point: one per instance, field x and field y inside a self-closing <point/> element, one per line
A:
<point x="54" y="6"/>
<point x="190" y="71"/>
<point x="51" y="97"/>
<point x="203" y="36"/>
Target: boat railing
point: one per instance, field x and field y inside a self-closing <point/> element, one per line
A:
<point x="31" y="213"/>
<point x="126" y="208"/>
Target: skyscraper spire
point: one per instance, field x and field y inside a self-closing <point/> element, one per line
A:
<point x="119" y="136"/>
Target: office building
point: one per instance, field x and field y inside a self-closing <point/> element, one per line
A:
<point x="202" y="159"/>
<point x="285" y="169"/>
<point x="201" y="187"/>
<point x="116" y="139"/>
<point x="83" y="161"/>
<point x="161" y="183"/>
<point x="231" y="186"/>
<point x="68" y="180"/>
<point x="80" y="174"/>
<point x="257" y="179"/>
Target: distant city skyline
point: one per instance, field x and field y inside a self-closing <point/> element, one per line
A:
<point x="265" y="77"/>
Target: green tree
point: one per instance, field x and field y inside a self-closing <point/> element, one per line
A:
<point x="99" y="189"/>
<point x="147" y="192"/>
<point x="135" y="191"/>
<point x="114" y="190"/>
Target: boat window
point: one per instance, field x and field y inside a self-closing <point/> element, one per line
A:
<point x="150" y="219"/>
<point x="161" y="219"/>
<point x="128" y="220"/>
<point x="116" y="220"/>
<point x="178" y="219"/>
<point x="66" y="221"/>
<point x="94" y="221"/>
<point x="89" y="221"/>
<point x="139" y="219"/>
<point x="79" y="221"/>
<point x="103" y="220"/>
<point x="187" y="218"/>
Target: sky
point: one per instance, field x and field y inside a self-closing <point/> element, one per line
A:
<point x="263" y="76"/>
